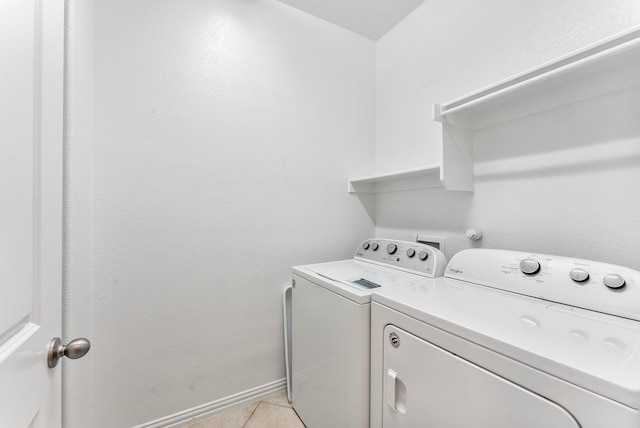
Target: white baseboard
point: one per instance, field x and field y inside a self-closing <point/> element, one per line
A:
<point x="207" y="410"/>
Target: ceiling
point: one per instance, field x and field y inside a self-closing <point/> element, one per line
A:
<point x="370" y="18"/>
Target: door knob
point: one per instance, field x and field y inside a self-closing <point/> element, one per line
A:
<point x="75" y="349"/>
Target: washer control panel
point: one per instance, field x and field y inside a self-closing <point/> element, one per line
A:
<point x="587" y="284"/>
<point x="410" y="256"/>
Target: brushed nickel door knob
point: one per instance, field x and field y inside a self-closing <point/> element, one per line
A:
<point x="75" y="349"/>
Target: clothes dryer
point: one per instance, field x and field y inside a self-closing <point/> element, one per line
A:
<point x="331" y="327"/>
<point x="509" y="340"/>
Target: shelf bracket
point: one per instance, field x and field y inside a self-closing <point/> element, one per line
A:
<point x="436" y="113"/>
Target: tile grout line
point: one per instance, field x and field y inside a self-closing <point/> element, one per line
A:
<point x="272" y="404"/>
<point x="251" y="415"/>
<point x="276" y="404"/>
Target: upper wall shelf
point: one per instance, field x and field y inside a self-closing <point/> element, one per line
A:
<point x="598" y="69"/>
<point x="409" y="179"/>
<point x="610" y="65"/>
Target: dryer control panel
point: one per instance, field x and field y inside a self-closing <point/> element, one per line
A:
<point x="586" y="284"/>
<point x="409" y="256"/>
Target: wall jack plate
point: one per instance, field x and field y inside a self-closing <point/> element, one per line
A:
<point x="434" y="241"/>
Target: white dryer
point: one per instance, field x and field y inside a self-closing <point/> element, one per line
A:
<point x="331" y="327"/>
<point x="509" y="340"/>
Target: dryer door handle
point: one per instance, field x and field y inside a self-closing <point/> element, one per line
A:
<point x="396" y="392"/>
<point x="390" y="388"/>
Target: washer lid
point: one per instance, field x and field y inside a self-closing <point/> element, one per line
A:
<point x="595" y="351"/>
<point x="354" y="279"/>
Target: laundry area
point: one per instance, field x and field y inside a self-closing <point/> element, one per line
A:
<point x="348" y="213"/>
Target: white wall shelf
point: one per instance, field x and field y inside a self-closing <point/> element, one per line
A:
<point x="409" y="179"/>
<point x="610" y="65"/>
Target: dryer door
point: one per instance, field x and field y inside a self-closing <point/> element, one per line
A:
<point x="426" y="386"/>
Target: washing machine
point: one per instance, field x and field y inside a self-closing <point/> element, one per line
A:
<point x="509" y="340"/>
<point x="331" y="327"/>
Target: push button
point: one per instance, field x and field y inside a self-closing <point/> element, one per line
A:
<point x="613" y="281"/>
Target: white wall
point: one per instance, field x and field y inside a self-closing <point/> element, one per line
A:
<point x="564" y="182"/>
<point x="224" y="133"/>
<point x="77" y="316"/>
<point x="223" y="136"/>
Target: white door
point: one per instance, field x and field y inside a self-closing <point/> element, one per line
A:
<point x="426" y="386"/>
<point x="31" y="83"/>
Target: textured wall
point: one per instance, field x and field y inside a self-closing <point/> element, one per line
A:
<point x="77" y="316"/>
<point x="564" y="182"/>
<point x="224" y="135"/>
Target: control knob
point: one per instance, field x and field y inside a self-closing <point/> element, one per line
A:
<point x="423" y="255"/>
<point x="411" y="252"/>
<point x="613" y="281"/>
<point x="392" y="248"/>
<point x="366" y="245"/>
<point x="529" y="266"/>
<point x="375" y="246"/>
<point x="579" y="275"/>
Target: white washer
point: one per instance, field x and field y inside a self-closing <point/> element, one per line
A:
<point x="331" y="327"/>
<point x="491" y="346"/>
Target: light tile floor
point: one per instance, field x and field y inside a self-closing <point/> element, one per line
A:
<point x="271" y="412"/>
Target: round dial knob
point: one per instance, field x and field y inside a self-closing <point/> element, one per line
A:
<point x="613" y="280"/>
<point x="579" y="275"/>
<point x="392" y="248"/>
<point x="375" y="246"/>
<point x="411" y="252"/>
<point x="529" y="266"/>
<point x="366" y="245"/>
<point x="423" y="255"/>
